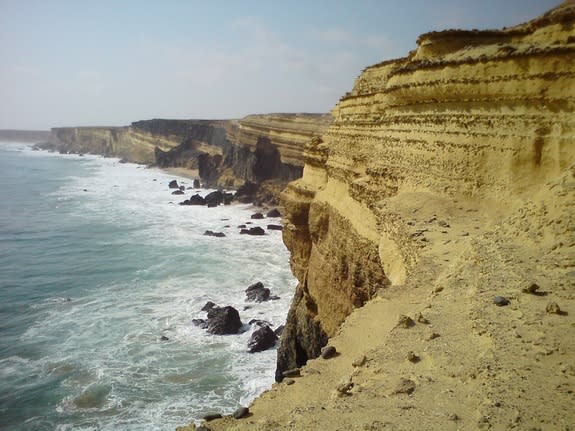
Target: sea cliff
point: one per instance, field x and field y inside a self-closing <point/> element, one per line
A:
<point x="229" y="153"/>
<point x="433" y="235"/>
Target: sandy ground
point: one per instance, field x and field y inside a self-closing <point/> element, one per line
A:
<point x="462" y="362"/>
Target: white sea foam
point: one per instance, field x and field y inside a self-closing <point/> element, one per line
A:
<point x="116" y="372"/>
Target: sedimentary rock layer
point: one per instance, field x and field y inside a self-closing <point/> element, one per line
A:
<point x="484" y="115"/>
<point x="256" y="148"/>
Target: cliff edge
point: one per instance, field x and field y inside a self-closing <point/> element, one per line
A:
<point x="433" y="235"/>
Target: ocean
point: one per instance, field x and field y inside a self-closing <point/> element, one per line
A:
<point x="97" y="264"/>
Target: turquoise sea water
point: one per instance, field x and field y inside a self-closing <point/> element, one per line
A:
<point x="97" y="263"/>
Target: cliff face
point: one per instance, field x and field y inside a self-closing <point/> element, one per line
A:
<point x="486" y="116"/>
<point x="257" y="148"/>
<point x="129" y="143"/>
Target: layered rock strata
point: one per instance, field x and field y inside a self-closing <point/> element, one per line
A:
<point x="483" y="115"/>
<point x="257" y="148"/>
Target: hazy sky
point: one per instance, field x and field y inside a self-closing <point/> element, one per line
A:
<point x="93" y="62"/>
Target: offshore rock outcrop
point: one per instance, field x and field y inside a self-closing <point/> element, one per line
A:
<point x="482" y="115"/>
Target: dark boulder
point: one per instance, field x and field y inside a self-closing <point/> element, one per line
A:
<point x="216" y="234"/>
<point x="197" y="184"/>
<point x="253" y="231"/>
<point x="208" y="306"/>
<point x="224" y="320"/>
<point x="273" y="213"/>
<point x="262" y="339"/>
<point x="275" y="227"/>
<point x="178" y="192"/>
<point x="228" y="198"/>
<point x="173" y="184"/>
<point x="194" y="200"/>
<point x="257" y="216"/>
<point x="257" y="292"/>
<point x="214" y="199"/>
<point x="202" y="323"/>
<point x="182" y="188"/>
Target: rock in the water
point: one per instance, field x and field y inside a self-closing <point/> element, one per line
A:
<point x="253" y="231"/>
<point x="202" y="323"/>
<point x="275" y="227"/>
<point x="194" y="200"/>
<point x="214" y="199"/>
<point x="328" y="352"/>
<point x="178" y="192"/>
<point x="216" y="234"/>
<point x="273" y="213"/>
<point x="173" y="184"/>
<point x="223" y="320"/>
<point x="259" y="323"/>
<point x="262" y="339"/>
<point x="257" y="292"/>
<point x="242" y="412"/>
<point x="164" y="338"/>
<point x="500" y="301"/>
<point x="257" y="216"/>
<point x="208" y="306"/>
<point x="197" y="184"/>
<point x="228" y="198"/>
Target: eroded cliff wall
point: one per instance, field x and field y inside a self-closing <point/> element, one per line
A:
<point x="486" y="116"/>
<point x="257" y="148"/>
<point x="129" y="143"/>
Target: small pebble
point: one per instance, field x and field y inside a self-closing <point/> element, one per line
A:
<point x="532" y="288"/>
<point x="289" y="381"/>
<point x="359" y="361"/>
<point x="500" y="301"/>
<point x="412" y="357"/>
<point x="553" y="308"/>
<point x="433" y="335"/>
<point x="405" y="386"/>
<point x="419" y="317"/>
<point x="202" y="428"/>
<point x="405" y="321"/>
<point x="453" y="417"/>
<point x="241" y="412"/>
<point x="344" y="388"/>
<point x="328" y="352"/>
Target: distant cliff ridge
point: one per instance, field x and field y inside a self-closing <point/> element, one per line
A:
<point x="256" y="148"/>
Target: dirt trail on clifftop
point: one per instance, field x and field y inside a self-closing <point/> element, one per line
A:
<point x="473" y="364"/>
